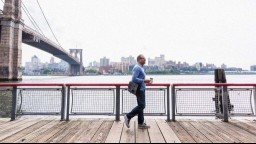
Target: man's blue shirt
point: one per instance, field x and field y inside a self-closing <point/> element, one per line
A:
<point x="139" y="76"/>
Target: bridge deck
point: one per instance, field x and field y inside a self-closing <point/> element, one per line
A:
<point x="106" y="130"/>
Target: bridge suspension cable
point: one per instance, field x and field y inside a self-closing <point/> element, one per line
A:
<point x="48" y="23"/>
<point x="30" y="17"/>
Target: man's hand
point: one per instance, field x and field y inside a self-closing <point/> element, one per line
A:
<point x="147" y="81"/>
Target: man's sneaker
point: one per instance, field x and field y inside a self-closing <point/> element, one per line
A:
<point x="127" y="121"/>
<point x="143" y="126"/>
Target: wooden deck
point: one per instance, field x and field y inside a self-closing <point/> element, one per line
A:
<point x="26" y="130"/>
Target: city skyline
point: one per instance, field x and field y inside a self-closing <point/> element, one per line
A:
<point x="101" y="62"/>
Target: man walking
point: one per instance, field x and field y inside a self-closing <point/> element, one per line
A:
<point x="138" y="77"/>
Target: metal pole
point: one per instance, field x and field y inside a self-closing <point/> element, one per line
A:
<point x="173" y="104"/>
<point x="168" y="104"/>
<point x="63" y="103"/>
<point x="225" y="103"/>
<point x="254" y="92"/>
<point x="118" y="96"/>
<point x="14" y="103"/>
<point x="68" y="104"/>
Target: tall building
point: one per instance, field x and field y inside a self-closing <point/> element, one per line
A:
<point x="223" y="66"/>
<point x="199" y="66"/>
<point x="158" y="61"/>
<point x="94" y="64"/>
<point x="121" y="67"/>
<point x="253" y="68"/>
<point x="52" y="60"/>
<point x="151" y="62"/>
<point x="104" y="62"/>
<point x="34" y="67"/>
<point x="130" y="60"/>
<point x="211" y="66"/>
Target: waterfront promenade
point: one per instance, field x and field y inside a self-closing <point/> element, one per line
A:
<point x="50" y="130"/>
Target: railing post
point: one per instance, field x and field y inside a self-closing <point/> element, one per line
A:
<point x="118" y="96"/>
<point x="168" y="104"/>
<point x="68" y="104"/>
<point x="173" y="104"/>
<point x="14" y="103"/>
<point x="63" y="103"/>
<point x="254" y="96"/>
<point x="225" y="103"/>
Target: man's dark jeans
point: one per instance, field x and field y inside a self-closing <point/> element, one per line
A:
<point x="139" y="110"/>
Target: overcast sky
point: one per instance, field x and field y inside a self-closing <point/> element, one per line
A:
<point x="208" y="31"/>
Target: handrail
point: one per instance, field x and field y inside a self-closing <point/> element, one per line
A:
<point x="213" y="84"/>
<point x="111" y="84"/>
<point x="30" y="84"/>
<point x="125" y="84"/>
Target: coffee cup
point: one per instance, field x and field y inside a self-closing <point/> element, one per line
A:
<point x="151" y="80"/>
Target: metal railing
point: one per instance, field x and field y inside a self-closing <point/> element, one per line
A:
<point x="114" y="100"/>
<point x="32" y="99"/>
<point x="220" y="100"/>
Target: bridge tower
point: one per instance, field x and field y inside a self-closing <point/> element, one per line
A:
<point x="11" y="25"/>
<point x="76" y="69"/>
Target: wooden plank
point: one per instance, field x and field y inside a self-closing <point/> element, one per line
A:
<point x="155" y="133"/>
<point x="142" y="135"/>
<point x="128" y="135"/>
<point x="197" y="135"/>
<point x="72" y="132"/>
<point x="240" y="134"/>
<point x="12" y="131"/>
<point x="51" y="132"/>
<point x="87" y="136"/>
<point x="207" y="133"/>
<point x="12" y="125"/>
<point x="244" y="126"/>
<point x="168" y="133"/>
<point x="249" y="122"/>
<point x="181" y="133"/>
<point x="102" y="133"/>
<point x="84" y="127"/>
<point x="115" y="132"/>
<point x="64" y="133"/>
<point x="23" y="133"/>
<point x="38" y="133"/>
<point x="3" y="121"/>
<point x="221" y="133"/>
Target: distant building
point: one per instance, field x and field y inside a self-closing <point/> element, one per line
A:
<point x="121" y="67"/>
<point x="199" y="66"/>
<point x="64" y="66"/>
<point x="104" y="62"/>
<point x="210" y="66"/>
<point x="130" y="60"/>
<point x="106" y="69"/>
<point x="52" y="60"/>
<point x="253" y="68"/>
<point x="151" y="62"/>
<point x="223" y="66"/>
<point x="170" y="65"/>
<point x="34" y="67"/>
<point x="158" y="61"/>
